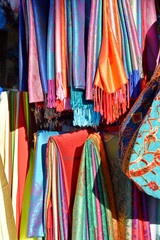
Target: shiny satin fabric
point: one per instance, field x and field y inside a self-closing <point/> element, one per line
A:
<point x="110" y="78"/>
<point x="34" y="79"/>
<point x="79" y="61"/>
<point x="62" y="164"/>
<point x="51" y="98"/>
<point x="40" y="12"/>
<point x="23" y="57"/>
<point x="35" y="217"/>
<point x="94" y="214"/>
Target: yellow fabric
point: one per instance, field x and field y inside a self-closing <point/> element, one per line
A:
<point x="4" y="134"/>
<point x="7" y="222"/>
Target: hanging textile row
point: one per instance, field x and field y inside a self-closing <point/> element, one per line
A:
<point x="88" y="56"/>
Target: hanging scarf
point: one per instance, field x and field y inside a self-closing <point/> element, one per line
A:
<point x="27" y="194"/>
<point x="51" y="98"/>
<point x="78" y="21"/>
<point x="62" y="164"/>
<point x="23" y="159"/>
<point x="111" y="83"/>
<point x="35" y="216"/>
<point x="152" y="214"/>
<point x="123" y="202"/>
<point x="4" y="133"/>
<point x="34" y="80"/>
<point x="15" y="160"/>
<point x="7" y="221"/>
<point x="40" y="12"/>
<point x="140" y="221"/>
<point x="92" y="218"/>
<point x="23" y="58"/>
<point x="94" y="44"/>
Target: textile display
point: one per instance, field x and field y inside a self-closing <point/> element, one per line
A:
<point x="77" y="63"/>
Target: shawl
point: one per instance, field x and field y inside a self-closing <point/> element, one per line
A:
<point x="111" y="96"/>
<point x="35" y="216"/>
<point x="7" y="221"/>
<point x="26" y="198"/>
<point x="23" y="159"/>
<point x="62" y="165"/>
<point x="15" y="160"/>
<point x="23" y="58"/>
<point x="94" y="43"/>
<point x="34" y="80"/>
<point x="140" y="220"/>
<point x="4" y="133"/>
<point x="51" y="98"/>
<point x="79" y="61"/>
<point x="152" y="214"/>
<point x="94" y="214"/>
<point x="122" y="195"/>
<point x="40" y="12"/>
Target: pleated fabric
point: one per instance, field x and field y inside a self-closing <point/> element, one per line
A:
<point x="35" y="216"/>
<point x="62" y="165"/>
<point x="94" y="213"/>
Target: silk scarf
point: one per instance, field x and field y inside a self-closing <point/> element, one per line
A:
<point x="92" y="218"/>
<point x="34" y="79"/>
<point x="51" y="98"/>
<point x="62" y="164"/>
<point x="111" y="97"/>
<point x="23" y="57"/>
<point x="35" y="217"/>
<point x="40" y="12"/>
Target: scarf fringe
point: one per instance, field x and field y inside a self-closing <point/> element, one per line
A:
<point x="111" y="105"/>
<point x="51" y="98"/>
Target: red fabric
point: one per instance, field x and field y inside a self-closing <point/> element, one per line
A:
<point x="50" y="222"/>
<point x="70" y="146"/>
<point x="23" y="160"/>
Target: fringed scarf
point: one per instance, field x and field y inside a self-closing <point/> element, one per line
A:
<point x="51" y="98"/>
<point x="40" y="12"/>
<point x="34" y="79"/>
<point x="94" y="215"/>
<point x="111" y="97"/>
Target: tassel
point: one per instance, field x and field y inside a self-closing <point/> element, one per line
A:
<point x="51" y="100"/>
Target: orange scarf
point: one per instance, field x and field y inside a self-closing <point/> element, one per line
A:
<point x="111" y="97"/>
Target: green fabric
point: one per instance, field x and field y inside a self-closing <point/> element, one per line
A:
<point x="12" y="125"/>
<point x="26" y="200"/>
<point x="122" y="187"/>
<point x="85" y="198"/>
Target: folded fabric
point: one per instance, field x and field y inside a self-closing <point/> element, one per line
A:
<point x="62" y="165"/>
<point x="35" y="216"/>
<point x="94" y="214"/>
